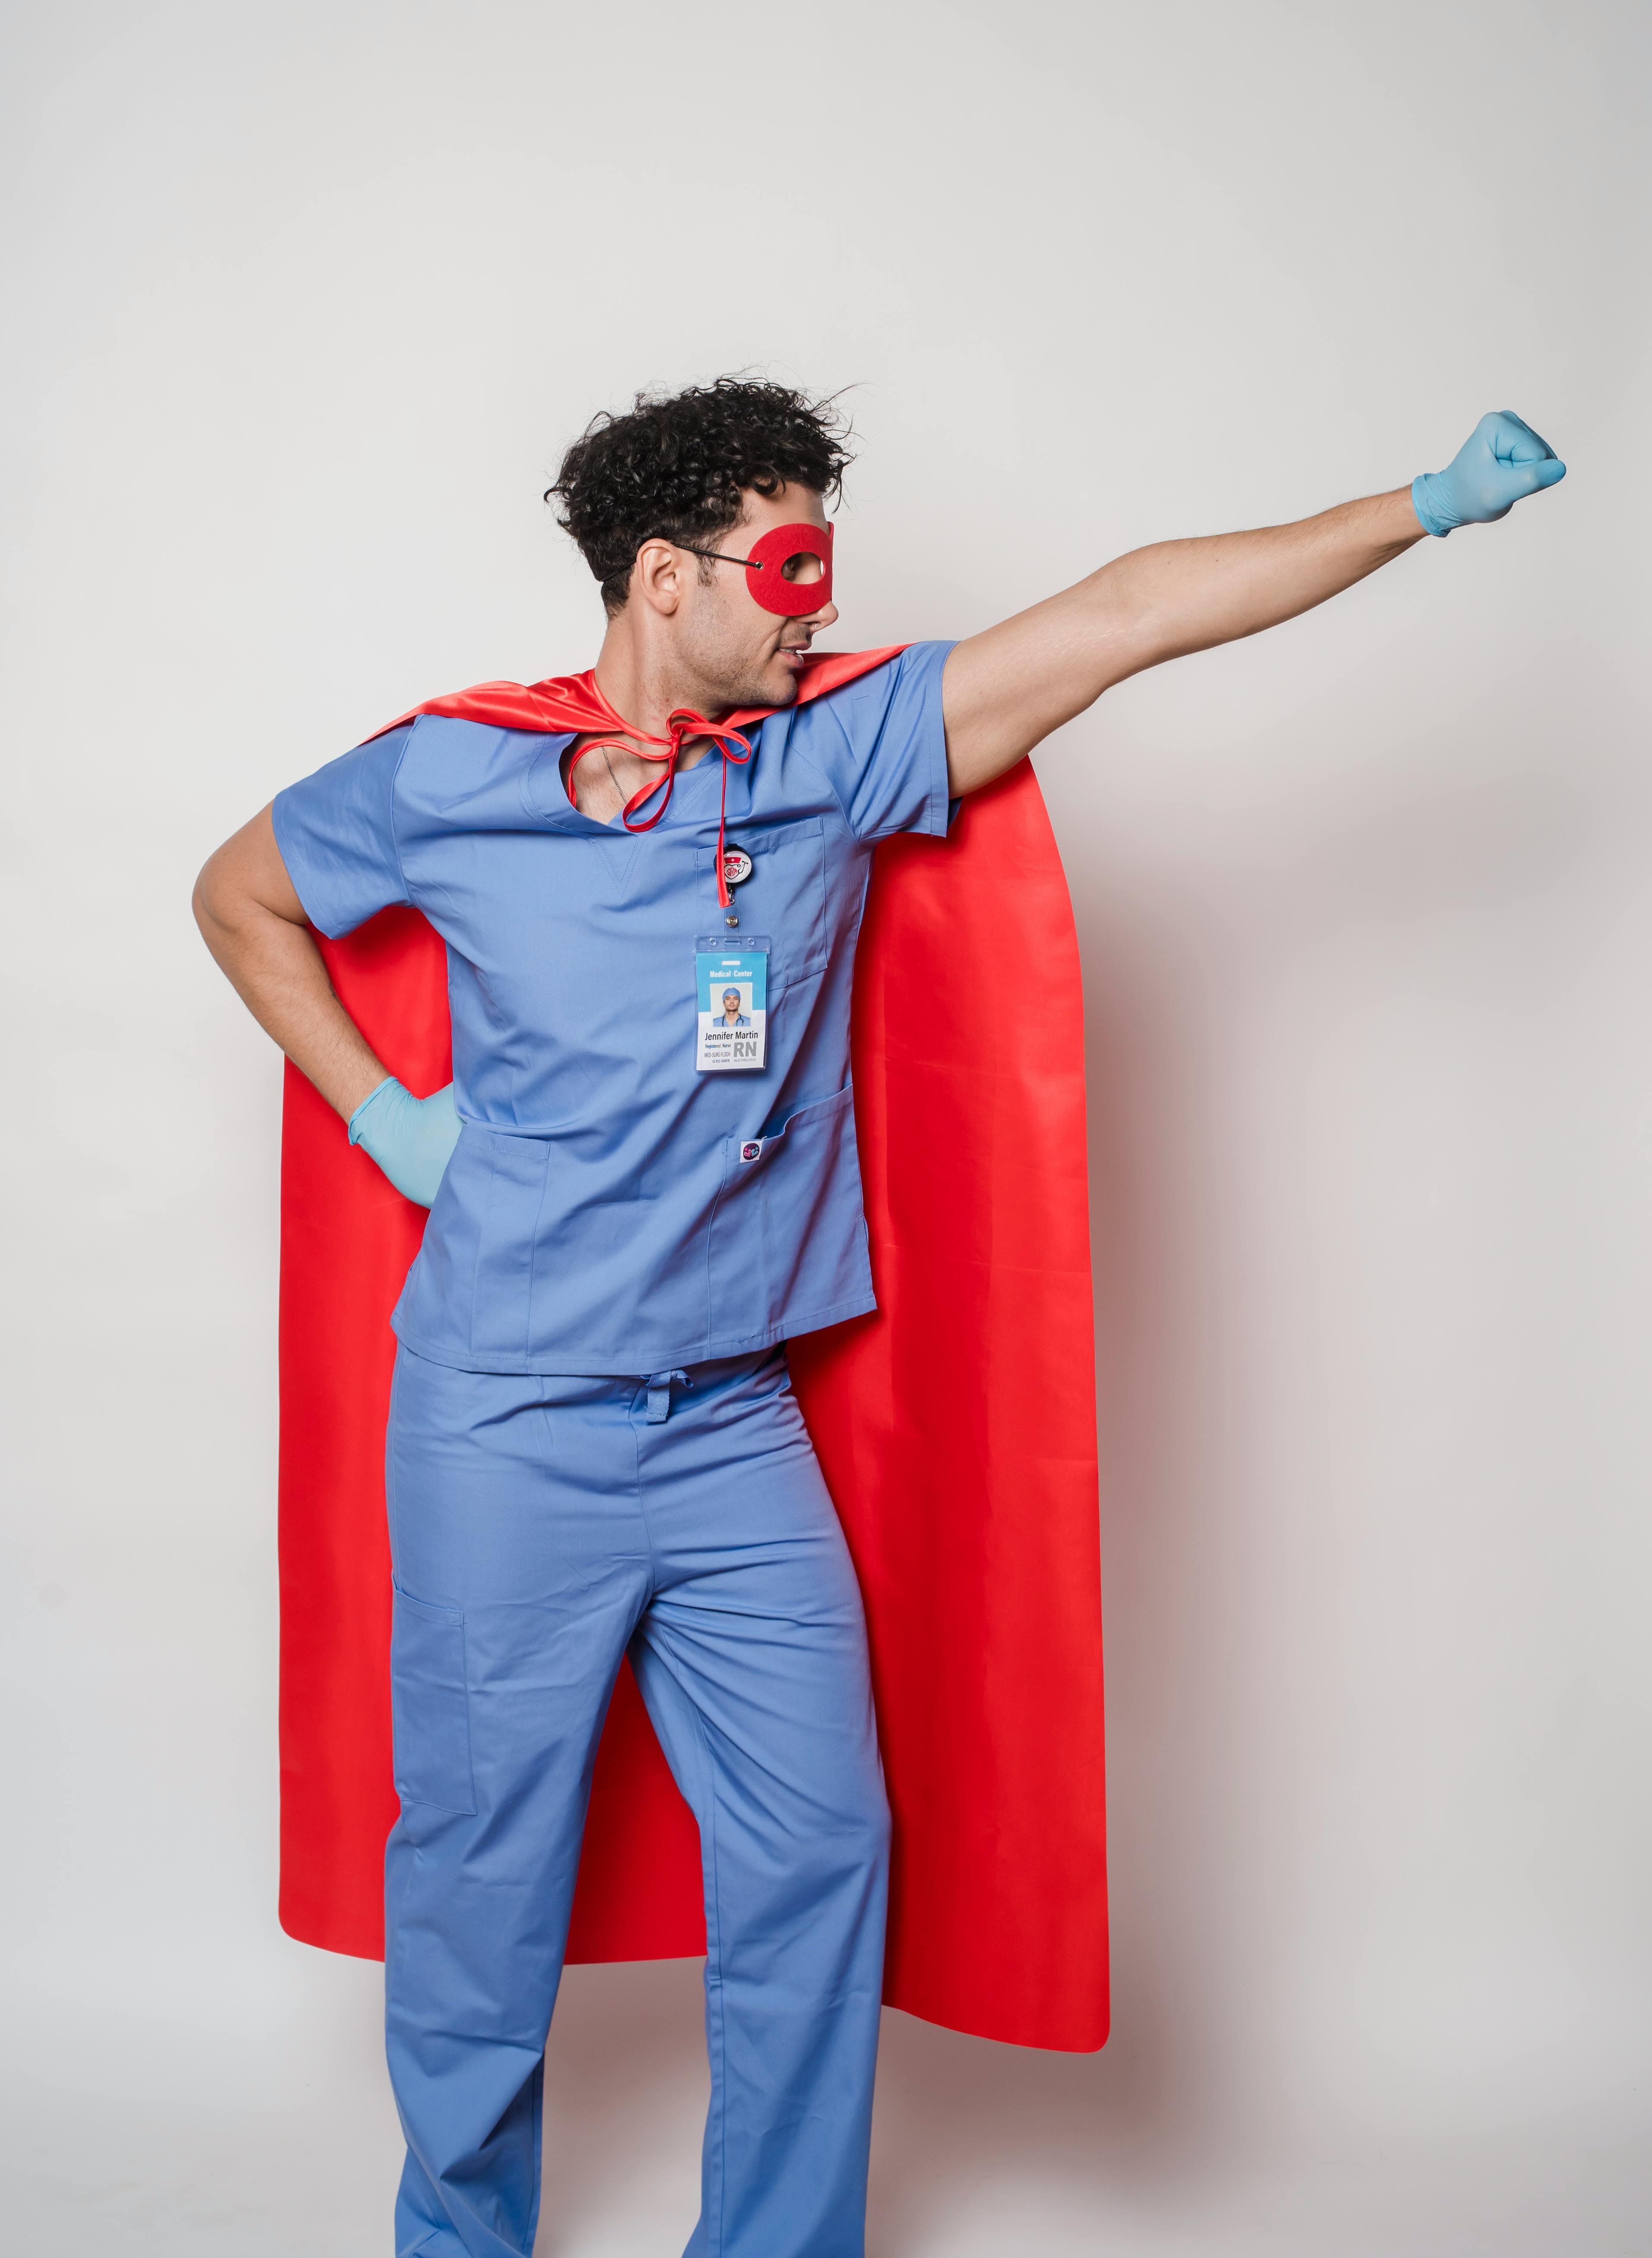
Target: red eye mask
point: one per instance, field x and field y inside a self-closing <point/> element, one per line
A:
<point x="766" y="575"/>
<point x="765" y="568"/>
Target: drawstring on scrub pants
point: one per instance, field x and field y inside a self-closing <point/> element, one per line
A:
<point x="660" y="1396"/>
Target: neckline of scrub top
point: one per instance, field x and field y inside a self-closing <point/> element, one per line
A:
<point x="564" y="813"/>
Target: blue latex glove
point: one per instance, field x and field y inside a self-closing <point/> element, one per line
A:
<point x="411" y="1137"/>
<point x="1502" y="462"/>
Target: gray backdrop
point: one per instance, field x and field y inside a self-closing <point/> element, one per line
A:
<point x="306" y="303"/>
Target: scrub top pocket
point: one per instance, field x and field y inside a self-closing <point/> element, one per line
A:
<point x="784" y="897"/>
<point x="430" y="1705"/>
<point x="789" y="1218"/>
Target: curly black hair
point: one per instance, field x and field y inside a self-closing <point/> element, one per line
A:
<point x="678" y="465"/>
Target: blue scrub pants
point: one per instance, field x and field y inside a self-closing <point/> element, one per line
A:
<point x="542" y="1527"/>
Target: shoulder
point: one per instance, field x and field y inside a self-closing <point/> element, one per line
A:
<point x="890" y="671"/>
<point x="452" y="737"/>
<point x="447" y="761"/>
<point x="906" y="679"/>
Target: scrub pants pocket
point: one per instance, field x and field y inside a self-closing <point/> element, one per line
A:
<point x="431" y="1707"/>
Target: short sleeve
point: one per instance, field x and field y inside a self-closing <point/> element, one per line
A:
<point x="882" y="743"/>
<point x="336" y="835"/>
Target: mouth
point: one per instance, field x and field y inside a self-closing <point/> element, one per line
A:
<point x="794" y="654"/>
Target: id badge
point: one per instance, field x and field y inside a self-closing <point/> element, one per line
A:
<point x="733" y="997"/>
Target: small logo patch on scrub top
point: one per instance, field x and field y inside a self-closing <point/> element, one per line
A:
<point x="752" y="1148"/>
<point x="732" y="998"/>
<point x="736" y="866"/>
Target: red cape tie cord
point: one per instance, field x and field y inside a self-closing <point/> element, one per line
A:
<point x="956" y="1428"/>
<point x="682" y="725"/>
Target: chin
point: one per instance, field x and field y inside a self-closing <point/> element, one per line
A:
<point x="775" y="684"/>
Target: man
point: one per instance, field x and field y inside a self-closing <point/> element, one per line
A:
<point x="593" y="1447"/>
<point x="733" y="1016"/>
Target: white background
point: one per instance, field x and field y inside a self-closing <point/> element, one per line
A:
<point x="304" y="303"/>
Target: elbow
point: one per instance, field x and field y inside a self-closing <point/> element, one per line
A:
<point x="243" y="894"/>
<point x="219" y="905"/>
<point x="202" y="904"/>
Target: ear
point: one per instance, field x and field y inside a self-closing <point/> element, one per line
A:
<point x="660" y="576"/>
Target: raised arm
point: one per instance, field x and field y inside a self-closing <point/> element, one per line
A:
<point x="1006" y="689"/>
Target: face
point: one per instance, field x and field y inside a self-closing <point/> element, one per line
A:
<point x="731" y="1003"/>
<point x="738" y="653"/>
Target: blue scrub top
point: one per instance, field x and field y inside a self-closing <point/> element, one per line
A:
<point x="597" y="1214"/>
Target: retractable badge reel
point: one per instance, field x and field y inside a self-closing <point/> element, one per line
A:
<point x="732" y="978"/>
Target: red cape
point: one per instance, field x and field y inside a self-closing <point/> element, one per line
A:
<point x="956" y="1428"/>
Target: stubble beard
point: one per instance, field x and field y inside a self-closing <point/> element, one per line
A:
<point x="776" y="684"/>
<point x="734" y="677"/>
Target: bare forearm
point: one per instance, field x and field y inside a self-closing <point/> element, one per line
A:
<point x="1183" y="596"/>
<point x="254" y="927"/>
<point x="1007" y="689"/>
